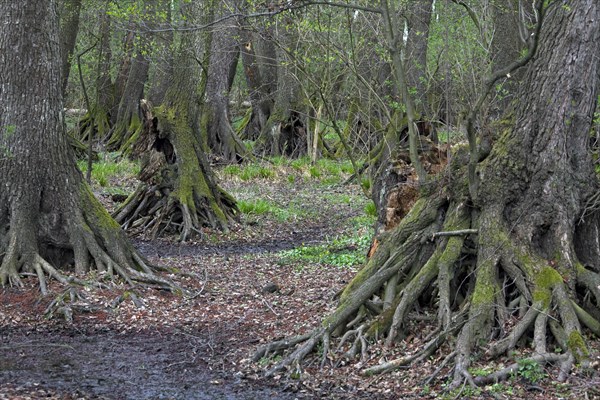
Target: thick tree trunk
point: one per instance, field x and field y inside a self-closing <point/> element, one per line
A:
<point x="128" y="124"/>
<point x="97" y="121"/>
<point x="503" y="270"/>
<point x="259" y="97"/>
<point x="174" y="163"/>
<point x="47" y="211"/>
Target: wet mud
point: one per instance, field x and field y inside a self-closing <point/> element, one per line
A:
<point x="108" y="365"/>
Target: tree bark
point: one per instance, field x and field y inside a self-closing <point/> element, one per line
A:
<point x="284" y="133"/>
<point x="224" y="56"/>
<point x="47" y="211"/>
<point x="416" y="54"/>
<point x="523" y="263"/>
<point x="174" y="163"/>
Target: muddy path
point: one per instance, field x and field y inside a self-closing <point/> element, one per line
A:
<point x="175" y="348"/>
<point x="108" y="365"/>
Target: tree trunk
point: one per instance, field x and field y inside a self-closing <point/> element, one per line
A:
<point x="285" y="132"/>
<point x="162" y="68"/>
<point x="69" y="27"/>
<point x="416" y="54"/>
<point x="97" y="121"/>
<point x="47" y="211"/>
<point x="505" y="270"/>
<point x="128" y="124"/>
<point x="179" y="192"/>
<point x="224" y="56"/>
<point x="259" y="97"/>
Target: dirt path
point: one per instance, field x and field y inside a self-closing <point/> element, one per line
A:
<point x="106" y="365"/>
<point x="173" y="348"/>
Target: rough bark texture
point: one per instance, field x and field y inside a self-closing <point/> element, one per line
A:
<point x="97" y="121"/>
<point x="503" y="271"/>
<point x="260" y="98"/>
<point x="178" y="190"/>
<point x="49" y="217"/>
<point x="127" y="126"/>
<point x="224" y="56"/>
<point x="284" y="132"/>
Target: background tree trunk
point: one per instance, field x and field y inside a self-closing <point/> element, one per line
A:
<point x="224" y="56"/>
<point x="69" y="27"/>
<point x="174" y="164"/>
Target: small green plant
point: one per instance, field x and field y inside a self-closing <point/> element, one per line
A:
<point x="254" y="171"/>
<point x="314" y="171"/>
<point x="365" y="183"/>
<point x="110" y="167"/>
<point x="264" y="361"/>
<point x="232" y="170"/>
<point x="530" y="370"/>
<point x="342" y="252"/>
<point x="370" y="209"/>
<point x="481" y="371"/>
<point x="257" y="207"/>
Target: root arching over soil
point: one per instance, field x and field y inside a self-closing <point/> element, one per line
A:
<point x="82" y="239"/>
<point x="178" y="192"/>
<point x="486" y="290"/>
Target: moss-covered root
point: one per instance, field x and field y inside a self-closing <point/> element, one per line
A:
<point x="96" y="242"/>
<point x="447" y="253"/>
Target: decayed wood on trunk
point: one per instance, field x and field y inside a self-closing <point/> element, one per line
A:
<point x="518" y="264"/>
<point x="49" y="217"/>
<point x="178" y="190"/>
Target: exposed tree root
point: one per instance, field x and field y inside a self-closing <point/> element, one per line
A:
<point x="494" y="299"/>
<point x="84" y="239"/>
<point x="178" y="192"/>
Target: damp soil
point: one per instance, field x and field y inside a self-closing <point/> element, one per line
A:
<point x="108" y="365"/>
<point x="172" y="348"/>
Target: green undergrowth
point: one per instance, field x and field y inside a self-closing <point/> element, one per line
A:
<point x="275" y="168"/>
<point x="110" y="168"/>
<point x="342" y="252"/>
<point x="262" y="207"/>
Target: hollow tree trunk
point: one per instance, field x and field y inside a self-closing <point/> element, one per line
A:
<point x="503" y="270"/>
<point x="47" y="211"/>
<point x="178" y="190"/>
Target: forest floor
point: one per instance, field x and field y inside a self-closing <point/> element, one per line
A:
<point x="303" y="235"/>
